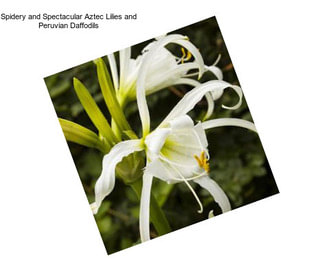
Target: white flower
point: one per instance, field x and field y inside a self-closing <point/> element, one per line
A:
<point x="178" y="153"/>
<point x="161" y="69"/>
<point x="176" y="150"/>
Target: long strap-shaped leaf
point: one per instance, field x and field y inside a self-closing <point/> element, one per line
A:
<point x="110" y="96"/>
<point x="78" y="134"/>
<point x="94" y="112"/>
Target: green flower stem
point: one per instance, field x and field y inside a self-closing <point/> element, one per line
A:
<point x="157" y="216"/>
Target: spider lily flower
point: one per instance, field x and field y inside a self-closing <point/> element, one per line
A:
<point x="165" y="69"/>
<point x="176" y="151"/>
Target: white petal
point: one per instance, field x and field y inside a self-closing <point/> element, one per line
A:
<point x="125" y="56"/>
<point x="172" y="157"/>
<point x="192" y="97"/>
<point x="187" y="81"/>
<point x="166" y="76"/>
<point x="201" y="135"/>
<point x="170" y="173"/>
<point x="163" y="59"/>
<point x="211" y="214"/>
<point x="210" y="105"/>
<point x="195" y="52"/>
<point x="228" y="122"/>
<point x="162" y="71"/>
<point x="178" y="142"/>
<point x="238" y="90"/>
<point x="146" y="62"/>
<point x="168" y="83"/>
<point x="141" y="97"/>
<point x="181" y="154"/>
<point x="216" y="94"/>
<point x="216" y="71"/>
<point x="161" y="36"/>
<point x="182" y="122"/>
<point x="160" y="170"/>
<point x="94" y="207"/>
<point x="215" y="190"/>
<point x="209" y="98"/>
<point x="145" y="207"/>
<point x="106" y="181"/>
<point x="114" y="71"/>
<point x="155" y="141"/>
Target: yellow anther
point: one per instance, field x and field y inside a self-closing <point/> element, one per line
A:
<point x="189" y="55"/>
<point x="185" y="56"/>
<point x="198" y="161"/>
<point x="202" y="161"/>
<point x="183" y="52"/>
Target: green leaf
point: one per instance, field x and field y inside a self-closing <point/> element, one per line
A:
<point x="94" y="112"/>
<point x="110" y="96"/>
<point x="162" y="192"/>
<point x="78" y="134"/>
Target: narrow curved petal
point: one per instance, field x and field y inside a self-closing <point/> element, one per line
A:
<point x="216" y="191"/>
<point x="124" y="55"/>
<point x="195" y="52"/>
<point x="216" y="71"/>
<point x="145" y="207"/>
<point x="209" y="98"/>
<point x="187" y="81"/>
<point x="238" y="90"/>
<point x="198" y="129"/>
<point x="216" y="94"/>
<point x="114" y="71"/>
<point x="106" y="181"/>
<point x="210" y="106"/>
<point x="147" y="59"/>
<point x="192" y="97"/>
<point x="142" y="103"/>
<point x="228" y="122"/>
<point x="168" y="76"/>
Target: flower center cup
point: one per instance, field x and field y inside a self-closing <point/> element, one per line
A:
<point x="178" y="154"/>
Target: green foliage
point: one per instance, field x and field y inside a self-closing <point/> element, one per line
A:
<point x="109" y="96"/>
<point x="81" y="135"/>
<point x="94" y="111"/>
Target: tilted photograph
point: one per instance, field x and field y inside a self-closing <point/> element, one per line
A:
<point x="161" y="135"/>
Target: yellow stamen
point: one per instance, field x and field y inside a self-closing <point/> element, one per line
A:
<point x="198" y="160"/>
<point x="185" y="56"/>
<point x="202" y="161"/>
<point x="183" y="52"/>
<point x="189" y="56"/>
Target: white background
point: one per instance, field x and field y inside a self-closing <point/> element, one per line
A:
<point x="276" y="49"/>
